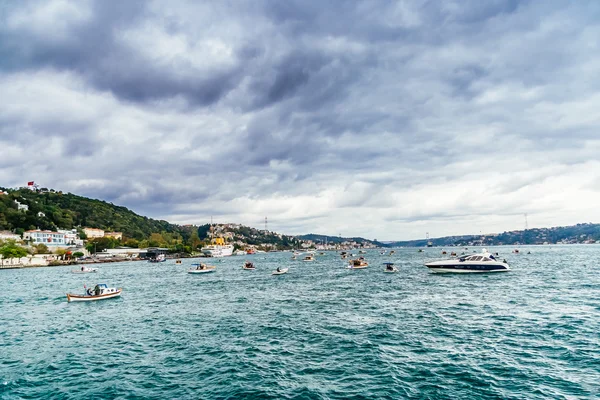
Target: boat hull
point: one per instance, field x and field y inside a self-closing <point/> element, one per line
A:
<point x="78" y="297"/>
<point x="390" y="271"/>
<point x="464" y="270"/>
<point x="201" y="271"/>
<point x="283" y="271"/>
<point x="248" y="269"/>
<point x="77" y="271"/>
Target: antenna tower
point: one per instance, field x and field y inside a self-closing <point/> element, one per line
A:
<point x="526" y="224"/>
<point x="266" y="224"/>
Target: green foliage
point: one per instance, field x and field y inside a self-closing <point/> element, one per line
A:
<point x="10" y="249"/>
<point x="78" y="254"/>
<point x="100" y="244"/>
<point x="68" y="211"/>
<point x="41" y="248"/>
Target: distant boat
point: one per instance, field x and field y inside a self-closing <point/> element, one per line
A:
<point x="100" y="292"/>
<point x="201" y="269"/>
<point x="158" y="258"/>
<point x="84" y="270"/>
<point x="389" y="268"/>
<point x="280" y="271"/>
<point x="249" y="266"/>
<point x="309" y="257"/>
<point x="358" y="264"/>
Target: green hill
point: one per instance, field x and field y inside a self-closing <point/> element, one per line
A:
<point x="580" y="233"/>
<point x="49" y="209"/>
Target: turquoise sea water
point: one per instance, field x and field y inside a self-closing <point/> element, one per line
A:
<point x="319" y="332"/>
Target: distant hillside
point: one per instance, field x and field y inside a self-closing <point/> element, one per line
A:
<point x="49" y="209"/>
<point x="580" y="233"/>
<point x="337" y="239"/>
<point x="250" y="236"/>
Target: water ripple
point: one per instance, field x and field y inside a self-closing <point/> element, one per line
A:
<point x="319" y="332"/>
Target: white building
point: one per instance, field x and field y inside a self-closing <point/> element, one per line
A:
<point x="92" y="233"/>
<point x="7" y="235"/>
<point x="71" y="237"/>
<point x="49" y="238"/>
<point x="22" y="207"/>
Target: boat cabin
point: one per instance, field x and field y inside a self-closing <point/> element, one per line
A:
<point x="389" y="266"/>
<point x="479" y="258"/>
<point x="100" y="289"/>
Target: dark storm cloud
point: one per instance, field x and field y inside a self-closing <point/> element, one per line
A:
<point x="310" y="110"/>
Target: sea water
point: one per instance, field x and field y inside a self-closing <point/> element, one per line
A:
<point x="320" y="331"/>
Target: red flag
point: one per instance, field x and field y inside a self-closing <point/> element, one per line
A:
<point x="30" y="183"/>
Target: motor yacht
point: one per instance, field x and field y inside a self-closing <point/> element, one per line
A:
<point x="483" y="262"/>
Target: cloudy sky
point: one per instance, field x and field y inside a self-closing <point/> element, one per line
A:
<point x="384" y="119"/>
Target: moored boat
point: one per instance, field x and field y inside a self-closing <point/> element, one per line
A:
<point x="309" y="257"/>
<point x="84" y="270"/>
<point x="389" y="267"/>
<point x="158" y="258"/>
<point x="280" y="271"/>
<point x="249" y="266"/>
<point x="100" y="292"/>
<point x="201" y="269"/>
<point x="475" y="263"/>
<point x="357" y="264"/>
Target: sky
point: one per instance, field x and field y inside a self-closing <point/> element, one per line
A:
<point x="381" y="119"/>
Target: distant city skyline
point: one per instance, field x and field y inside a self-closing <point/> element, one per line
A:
<point x="377" y="119"/>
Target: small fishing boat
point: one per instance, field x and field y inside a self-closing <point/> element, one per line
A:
<point x="158" y="258"/>
<point x="309" y="257"/>
<point x="280" y="271"/>
<point x="293" y="257"/>
<point x="99" y="292"/>
<point x="84" y="270"/>
<point x="389" y="268"/>
<point x="249" y="266"/>
<point x="201" y="269"/>
<point x="357" y="264"/>
<point x="362" y="252"/>
<point x="392" y="252"/>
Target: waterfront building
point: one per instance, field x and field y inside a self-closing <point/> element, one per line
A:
<point x="49" y="238"/>
<point x="71" y="237"/>
<point x="92" y="233"/>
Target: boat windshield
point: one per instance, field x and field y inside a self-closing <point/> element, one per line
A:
<point x="477" y="258"/>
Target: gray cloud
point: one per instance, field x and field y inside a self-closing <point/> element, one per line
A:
<point x="419" y="116"/>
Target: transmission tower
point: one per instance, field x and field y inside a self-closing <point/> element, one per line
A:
<point x="526" y="225"/>
<point x="266" y="230"/>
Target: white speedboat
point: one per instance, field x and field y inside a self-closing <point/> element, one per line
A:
<point x="84" y="270"/>
<point x="99" y="292"/>
<point x="280" y="271"/>
<point x="201" y="269"/>
<point x="475" y="263"/>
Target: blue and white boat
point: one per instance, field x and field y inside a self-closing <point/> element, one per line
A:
<point x="475" y="263"/>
